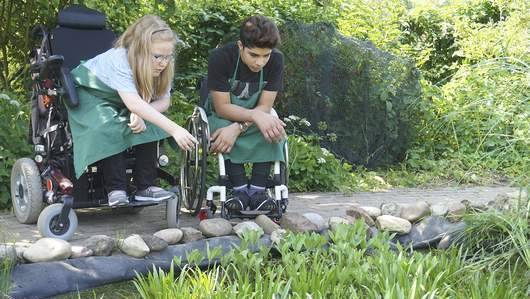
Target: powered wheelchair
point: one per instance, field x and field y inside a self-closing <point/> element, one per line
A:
<point x="43" y="189"/>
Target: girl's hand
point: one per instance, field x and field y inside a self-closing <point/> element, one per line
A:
<point x="136" y="123"/>
<point x="184" y="139"/>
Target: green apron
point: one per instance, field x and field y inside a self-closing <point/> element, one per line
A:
<point x="250" y="146"/>
<point x="99" y="124"/>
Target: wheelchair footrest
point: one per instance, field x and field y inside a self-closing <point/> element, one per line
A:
<point x="254" y="213"/>
<point x="135" y="203"/>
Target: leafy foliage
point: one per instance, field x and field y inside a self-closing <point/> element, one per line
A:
<point x="350" y="266"/>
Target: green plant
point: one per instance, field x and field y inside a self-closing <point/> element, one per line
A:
<point x="13" y="142"/>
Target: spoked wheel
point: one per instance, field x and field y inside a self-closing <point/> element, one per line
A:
<point x="193" y="165"/>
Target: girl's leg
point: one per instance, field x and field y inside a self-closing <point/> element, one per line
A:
<point x="114" y="179"/>
<point x="145" y="172"/>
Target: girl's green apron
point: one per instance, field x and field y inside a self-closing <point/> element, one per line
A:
<point x="99" y="124"/>
<point x="250" y="146"/>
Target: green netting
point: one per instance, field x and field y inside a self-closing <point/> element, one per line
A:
<point x="349" y="88"/>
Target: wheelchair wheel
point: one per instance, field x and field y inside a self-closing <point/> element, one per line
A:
<point x="193" y="166"/>
<point x="48" y="223"/>
<point x="26" y="191"/>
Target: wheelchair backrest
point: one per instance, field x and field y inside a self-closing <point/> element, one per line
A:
<point x="80" y="35"/>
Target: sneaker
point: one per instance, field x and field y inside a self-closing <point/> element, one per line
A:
<point x="239" y="201"/>
<point x="261" y="201"/>
<point x="118" y="198"/>
<point x="153" y="193"/>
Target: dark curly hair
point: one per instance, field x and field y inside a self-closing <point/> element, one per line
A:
<point x="259" y="32"/>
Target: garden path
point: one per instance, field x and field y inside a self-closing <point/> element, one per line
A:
<point x="151" y="219"/>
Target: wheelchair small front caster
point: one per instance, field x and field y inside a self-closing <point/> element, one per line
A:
<point x="49" y="226"/>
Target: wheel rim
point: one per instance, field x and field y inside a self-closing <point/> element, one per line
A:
<point x="56" y="229"/>
<point x="21" y="193"/>
<point x="192" y="177"/>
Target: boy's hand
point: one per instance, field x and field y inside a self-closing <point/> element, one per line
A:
<point x="270" y="126"/>
<point x="136" y="123"/>
<point x="224" y="138"/>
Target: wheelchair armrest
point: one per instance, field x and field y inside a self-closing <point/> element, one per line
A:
<point x="71" y="98"/>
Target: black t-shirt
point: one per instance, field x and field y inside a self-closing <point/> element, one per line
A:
<point x="222" y="63"/>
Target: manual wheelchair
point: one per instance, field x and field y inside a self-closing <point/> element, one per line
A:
<point x="43" y="189"/>
<point x="193" y="172"/>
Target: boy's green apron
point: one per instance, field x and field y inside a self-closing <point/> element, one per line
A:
<point x="99" y="124"/>
<point x="250" y="146"/>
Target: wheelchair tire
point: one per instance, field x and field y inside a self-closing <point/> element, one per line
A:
<point x="26" y="191"/>
<point x="193" y="167"/>
<point x="47" y="223"/>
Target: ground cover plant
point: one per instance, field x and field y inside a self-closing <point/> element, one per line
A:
<point x="350" y="266"/>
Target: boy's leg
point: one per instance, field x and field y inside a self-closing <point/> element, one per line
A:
<point x="145" y="174"/>
<point x="259" y="199"/>
<point x="114" y="180"/>
<point x="238" y="180"/>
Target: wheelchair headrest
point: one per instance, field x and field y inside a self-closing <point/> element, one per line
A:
<point x="81" y="17"/>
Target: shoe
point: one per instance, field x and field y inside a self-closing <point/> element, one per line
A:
<point x="153" y="193"/>
<point x="261" y="201"/>
<point x="239" y="201"/>
<point x="118" y="198"/>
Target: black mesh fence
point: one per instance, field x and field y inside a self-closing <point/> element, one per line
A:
<point x="356" y="97"/>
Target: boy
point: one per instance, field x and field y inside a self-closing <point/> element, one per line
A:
<point x="244" y="78"/>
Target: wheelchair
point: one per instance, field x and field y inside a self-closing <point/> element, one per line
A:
<point x="43" y="188"/>
<point x="193" y="173"/>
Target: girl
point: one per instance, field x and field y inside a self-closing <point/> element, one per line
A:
<point x="123" y="93"/>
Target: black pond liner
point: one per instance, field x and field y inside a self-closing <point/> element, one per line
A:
<point x="47" y="279"/>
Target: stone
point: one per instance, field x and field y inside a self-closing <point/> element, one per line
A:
<point x="243" y="227"/>
<point x="8" y="252"/>
<point x="393" y="224"/>
<point x="134" y="246"/>
<point x="415" y="211"/>
<point x="101" y="245"/>
<point x="215" y="227"/>
<point x="455" y="211"/>
<point x="360" y="213"/>
<point x="267" y="224"/>
<point x="428" y="232"/>
<point x="391" y="208"/>
<point x="297" y="223"/>
<point x="374" y="212"/>
<point x="445" y="242"/>
<point x="439" y="210"/>
<point x="170" y="235"/>
<point x="317" y="220"/>
<point x="20" y="253"/>
<point x="80" y="251"/>
<point x="278" y="235"/>
<point x="48" y="249"/>
<point x="190" y="234"/>
<point x="154" y="243"/>
<point x="335" y="221"/>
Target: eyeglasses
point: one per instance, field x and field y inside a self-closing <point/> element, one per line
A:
<point x="163" y="58"/>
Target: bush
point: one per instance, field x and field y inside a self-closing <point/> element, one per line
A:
<point x="13" y="142"/>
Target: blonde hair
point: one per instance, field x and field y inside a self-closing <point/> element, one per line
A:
<point x="137" y="39"/>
